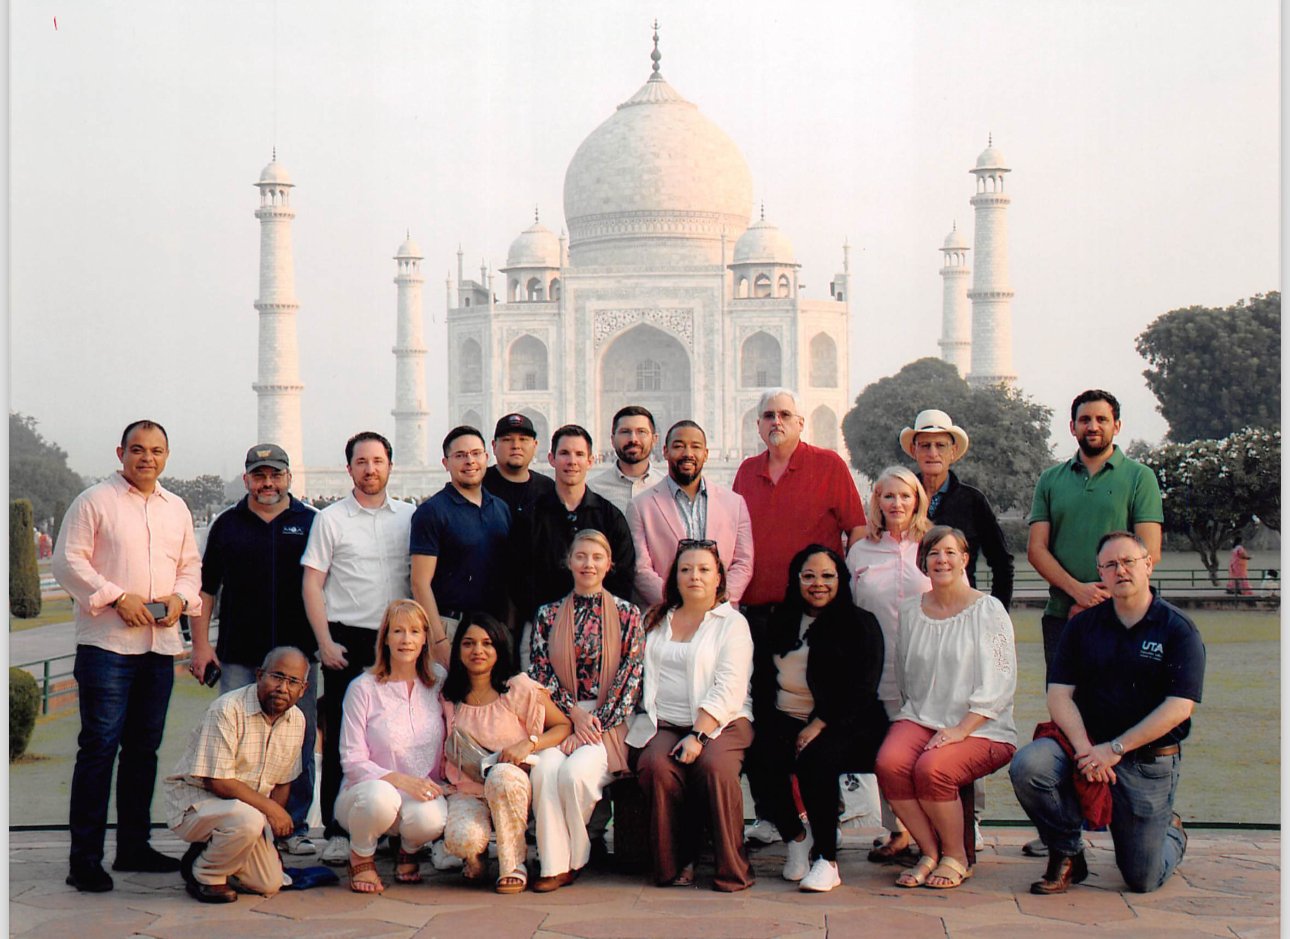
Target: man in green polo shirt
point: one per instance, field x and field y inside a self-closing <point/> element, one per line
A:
<point x="1098" y="490"/>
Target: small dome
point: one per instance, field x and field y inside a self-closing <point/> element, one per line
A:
<point x="409" y="249"/>
<point x="537" y="246"/>
<point x="276" y="173"/>
<point x="991" y="158"/>
<point x="955" y="240"/>
<point x="763" y="243"/>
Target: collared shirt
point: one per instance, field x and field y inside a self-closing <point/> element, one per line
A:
<point x="469" y="542"/>
<point x="935" y="502"/>
<point x="885" y="575"/>
<point x="540" y="543"/>
<point x="694" y="512"/>
<point x="519" y="497"/>
<point x="235" y="741"/>
<point x="961" y="506"/>
<point x="1123" y="674"/>
<point x="364" y="553"/>
<point x="815" y="500"/>
<point x="256" y="565"/>
<point x="116" y="540"/>
<point x="613" y="484"/>
<point x="1082" y="508"/>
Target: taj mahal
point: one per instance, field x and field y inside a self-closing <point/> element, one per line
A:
<point x="665" y="292"/>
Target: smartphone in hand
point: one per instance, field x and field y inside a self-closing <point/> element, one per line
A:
<point x="156" y="609"/>
<point x="212" y="674"/>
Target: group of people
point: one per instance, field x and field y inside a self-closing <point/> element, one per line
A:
<point x="518" y="642"/>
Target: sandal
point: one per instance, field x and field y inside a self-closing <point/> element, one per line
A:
<point x="364" y="886"/>
<point x="406" y="860"/>
<point x="885" y="851"/>
<point x="473" y="869"/>
<point x="917" y="875"/>
<point x="514" y="882"/>
<point x="950" y="871"/>
<point x="683" y="879"/>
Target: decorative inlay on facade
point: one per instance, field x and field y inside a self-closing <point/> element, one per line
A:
<point x="679" y="321"/>
<point x="990" y="294"/>
<point x="644" y="222"/>
<point x="266" y="307"/>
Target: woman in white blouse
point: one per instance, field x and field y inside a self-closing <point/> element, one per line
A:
<point x="391" y="748"/>
<point x="689" y="742"/>
<point x="885" y="575"/>
<point x="956" y="666"/>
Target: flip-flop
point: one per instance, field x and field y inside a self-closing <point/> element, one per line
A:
<point x="950" y="870"/>
<point x="683" y="879"/>
<point x="883" y="852"/>
<point x="364" y="886"/>
<point x="917" y="875"/>
<point x="408" y="860"/>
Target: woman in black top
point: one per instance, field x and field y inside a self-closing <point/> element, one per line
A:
<point x="816" y="708"/>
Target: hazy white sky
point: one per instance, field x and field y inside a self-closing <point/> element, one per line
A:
<point x="1143" y="138"/>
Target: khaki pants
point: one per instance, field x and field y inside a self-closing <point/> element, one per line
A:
<point x="241" y="845"/>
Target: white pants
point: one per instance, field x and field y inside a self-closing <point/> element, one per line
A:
<point x="241" y="845"/>
<point x="375" y="807"/>
<point x="565" y="791"/>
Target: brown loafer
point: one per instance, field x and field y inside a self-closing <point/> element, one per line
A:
<point x="210" y="893"/>
<point x="1061" y="873"/>
<point x="554" y="882"/>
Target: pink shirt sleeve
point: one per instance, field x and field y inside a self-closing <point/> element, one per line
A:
<point x="357" y="760"/>
<point x="527" y="699"/>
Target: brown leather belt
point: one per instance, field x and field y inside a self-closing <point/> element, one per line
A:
<point x="1150" y="753"/>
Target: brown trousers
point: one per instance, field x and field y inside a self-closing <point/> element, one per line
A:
<point x="682" y="798"/>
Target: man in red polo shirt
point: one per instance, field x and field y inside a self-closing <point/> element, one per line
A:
<point x="797" y="495"/>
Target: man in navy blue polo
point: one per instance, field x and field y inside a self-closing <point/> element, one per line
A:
<point x="252" y="561"/>
<point x="459" y="542"/>
<point x="1124" y="680"/>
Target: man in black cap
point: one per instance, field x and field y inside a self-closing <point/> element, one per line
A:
<point x="253" y="556"/>
<point x="514" y="446"/>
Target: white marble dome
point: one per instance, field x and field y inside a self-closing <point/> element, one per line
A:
<point x="409" y="249"/>
<point x="276" y="173"/>
<point x="763" y="243"/>
<point x="656" y="183"/>
<point x="956" y="241"/>
<point x="991" y="158"/>
<point x="536" y="246"/>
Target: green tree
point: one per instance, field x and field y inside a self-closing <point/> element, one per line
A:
<point x="24" y="705"/>
<point x="202" y="494"/>
<point x="24" y="575"/>
<point x="1215" y="371"/>
<point x="1009" y="431"/>
<point x="38" y="470"/>
<point x="1215" y="489"/>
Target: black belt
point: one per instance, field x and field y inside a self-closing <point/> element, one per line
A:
<point x="1150" y="753"/>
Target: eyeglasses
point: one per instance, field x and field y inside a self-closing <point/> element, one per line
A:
<point x="280" y="679"/>
<point x="460" y="455"/>
<point x="1127" y="563"/>
<point x="784" y="416"/>
<point x="810" y="577"/>
<point x="685" y="544"/>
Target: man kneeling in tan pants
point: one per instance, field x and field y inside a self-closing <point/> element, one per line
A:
<point x="228" y="791"/>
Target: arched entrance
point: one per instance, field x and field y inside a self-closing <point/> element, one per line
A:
<point x="644" y="366"/>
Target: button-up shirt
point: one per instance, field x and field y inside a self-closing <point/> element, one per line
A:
<point x="115" y="540"/>
<point x="613" y="484"/>
<point x="694" y="512"/>
<point x="235" y="741"/>
<point x="364" y="553"/>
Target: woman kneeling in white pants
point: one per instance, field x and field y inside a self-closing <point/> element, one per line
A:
<point x="391" y="749"/>
<point x="587" y="652"/>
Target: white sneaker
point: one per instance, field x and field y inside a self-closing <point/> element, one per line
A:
<point x="336" y="853"/>
<point x="799" y="858"/>
<point x="823" y="877"/>
<point x="976" y="833"/>
<point x="300" y="844"/>
<point x="763" y="831"/>
<point x="442" y="858"/>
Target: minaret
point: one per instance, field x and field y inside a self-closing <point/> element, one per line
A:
<point x="956" y="317"/>
<point x="411" y="445"/>
<point x="278" y="386"/>
<point x="991" y="294"/>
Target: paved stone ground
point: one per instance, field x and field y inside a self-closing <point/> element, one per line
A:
<point x="1229" y="885"/>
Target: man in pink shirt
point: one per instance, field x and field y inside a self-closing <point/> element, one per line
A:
<point x="127" y="555"/>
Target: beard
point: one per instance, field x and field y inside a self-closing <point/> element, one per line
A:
<point x="684" y="476"/>
<point x="1089" y="449"/>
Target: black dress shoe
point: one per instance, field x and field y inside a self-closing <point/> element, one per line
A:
<point x="189" y="859"/>
<point x="210" y="893"/>
<point x="1062" y="872"/>
<point x="90" y="878"/>
<point x="145" y="860"/>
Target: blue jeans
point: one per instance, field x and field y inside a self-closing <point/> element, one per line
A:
<point x="1147" y="847"/>
<point x="123" y="702"/>
<point x="301" y="796"/>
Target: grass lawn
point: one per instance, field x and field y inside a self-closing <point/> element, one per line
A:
<point x="51" y="611"/>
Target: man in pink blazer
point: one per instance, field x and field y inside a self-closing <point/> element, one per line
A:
<point x="687" y="506"/>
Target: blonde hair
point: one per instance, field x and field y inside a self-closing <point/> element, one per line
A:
<point x="918" y="525"/>
<point x="590" y="534"/>
<point x="403" y="609"/>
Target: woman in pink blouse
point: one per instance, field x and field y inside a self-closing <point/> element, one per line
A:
<point x="512" y="717"/>
<point x="391" y="747"/>
<point x="587" y="652"/>
<point x="886" y="574"/>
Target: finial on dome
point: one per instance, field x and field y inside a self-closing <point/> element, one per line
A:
<point x="656" y="56"/>
<point x="275" y="155"/>
<point x="535" y="215"/>
<point x="763" y="211"/>
<point x="955" y="226"/>
<point x="989" y="139"/>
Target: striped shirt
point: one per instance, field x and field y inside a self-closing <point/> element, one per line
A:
<point x="235" y="741"/>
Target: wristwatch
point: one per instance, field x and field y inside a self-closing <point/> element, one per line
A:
<point x="1117" y="748"/>
<point x="702" y="738"/>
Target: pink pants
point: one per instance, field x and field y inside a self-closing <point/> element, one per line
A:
<point x="907" y="771"/>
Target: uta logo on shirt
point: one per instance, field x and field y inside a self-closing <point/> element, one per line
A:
<point x="1153" y="650"/>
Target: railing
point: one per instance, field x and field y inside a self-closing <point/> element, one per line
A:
<point x="1194" y="581"/>
<point x="46" y="679"/>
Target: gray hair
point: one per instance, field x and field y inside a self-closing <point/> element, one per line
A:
<point x="769" y="393"/>
<point x="281" y="652"/>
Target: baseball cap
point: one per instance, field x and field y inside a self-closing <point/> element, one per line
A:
<point x="267" y="454"/>
<point x="514" y="424"/>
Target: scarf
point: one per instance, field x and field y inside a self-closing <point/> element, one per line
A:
<point x="564" y="663"/>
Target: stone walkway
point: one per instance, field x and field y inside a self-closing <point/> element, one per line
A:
<point x="1229" y="885"/>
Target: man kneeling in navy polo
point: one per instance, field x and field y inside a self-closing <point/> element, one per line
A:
<point x="1124" y="680"/>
